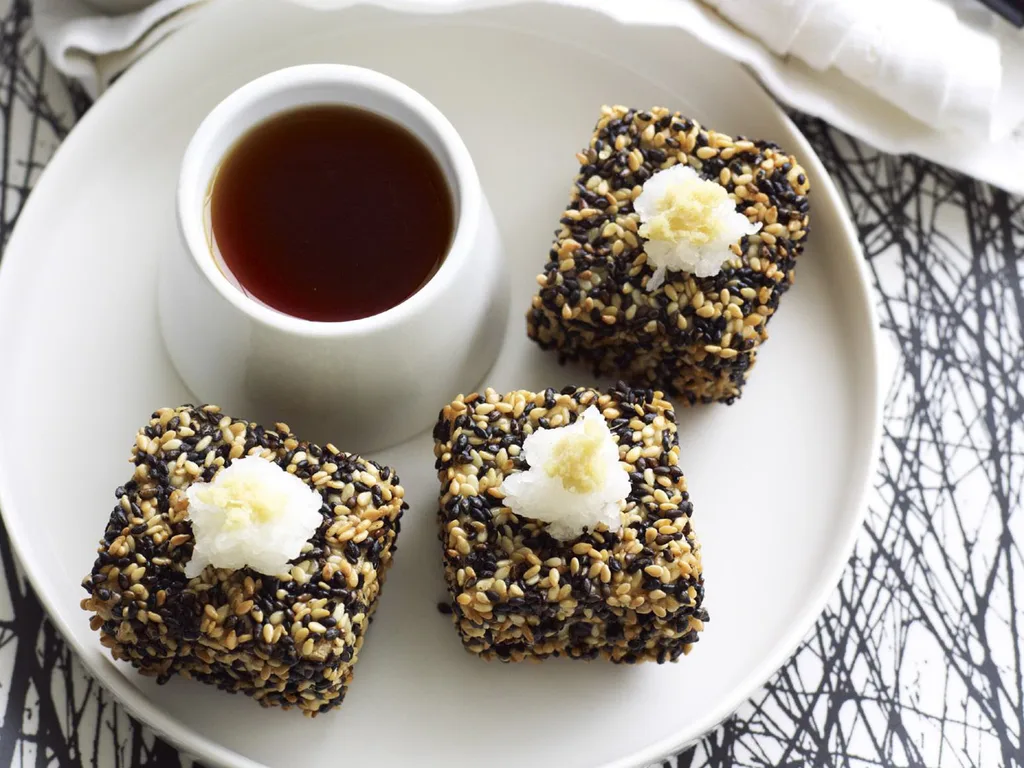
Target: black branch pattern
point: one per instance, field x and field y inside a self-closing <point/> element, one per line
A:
<point x="917" y="661"/>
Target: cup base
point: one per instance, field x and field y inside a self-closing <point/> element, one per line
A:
<point x="252" y="383"/>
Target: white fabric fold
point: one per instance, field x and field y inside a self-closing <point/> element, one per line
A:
<point x="91" y="43"/>
<point x="915" y="54"/>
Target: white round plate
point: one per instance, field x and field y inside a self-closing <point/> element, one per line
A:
<point x="777" y="480"/>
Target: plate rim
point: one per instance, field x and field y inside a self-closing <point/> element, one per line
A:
<point x="189" y="741"/>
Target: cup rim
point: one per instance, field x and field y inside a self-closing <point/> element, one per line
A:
<point x="193" y="187"/>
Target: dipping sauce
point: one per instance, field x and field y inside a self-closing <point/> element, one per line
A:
<point x="330" y="213"/>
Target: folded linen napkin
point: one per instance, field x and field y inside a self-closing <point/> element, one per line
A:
<point x="916" y="54"/>
<point x="943" y="79"/>
<point x="94" y="41"/>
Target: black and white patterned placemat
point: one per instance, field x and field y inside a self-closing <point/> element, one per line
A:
<point x="918" y="659"/>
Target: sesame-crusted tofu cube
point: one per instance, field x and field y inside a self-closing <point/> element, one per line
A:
<point x="516" y="592"/>
<point x="288" y="640"/>
<point x="695" y="337"/>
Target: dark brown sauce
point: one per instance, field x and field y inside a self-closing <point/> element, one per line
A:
<point x="331" y="213"/>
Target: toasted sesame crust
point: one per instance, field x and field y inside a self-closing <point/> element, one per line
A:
<point x="696" y="338"/>
<point x="289" y="640"/>
<point x="516" y="592"/>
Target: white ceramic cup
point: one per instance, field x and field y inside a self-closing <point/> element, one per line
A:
<point x="362" y="384"/>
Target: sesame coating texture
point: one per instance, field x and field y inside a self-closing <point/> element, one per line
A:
<point x="693" y="337"/>
<point x="289" y="640"/>
<point x="516" y="592"/>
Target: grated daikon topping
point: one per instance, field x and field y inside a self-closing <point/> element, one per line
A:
<point x="253" y="514"/>
<point x="689" y="223"/>
<point x="575" y="480"/>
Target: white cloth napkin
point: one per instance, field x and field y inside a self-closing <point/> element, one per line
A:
<point x="943" y="79"/>
<point x="94" y="41"/>
<point x="916" y="54"/>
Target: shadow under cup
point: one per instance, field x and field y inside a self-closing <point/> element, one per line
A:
<point x="364" y="383"/>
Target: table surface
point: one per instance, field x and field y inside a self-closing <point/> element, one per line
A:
<point x="917" y="659"/>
